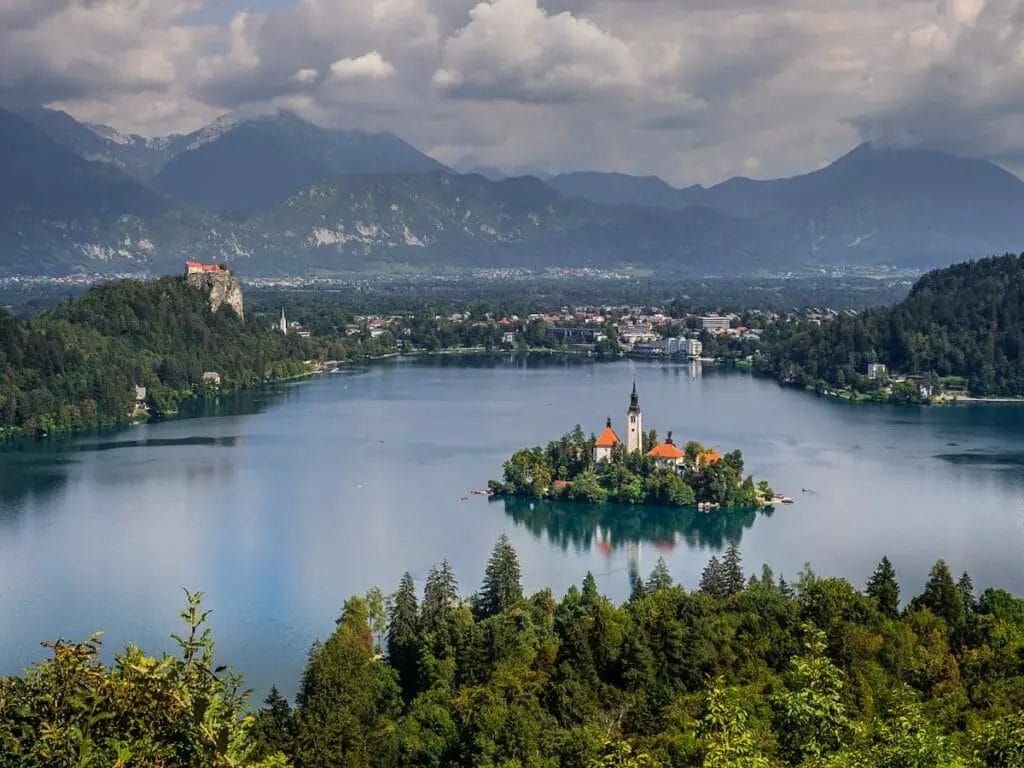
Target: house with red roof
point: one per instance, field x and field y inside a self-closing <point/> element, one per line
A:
<point x="667" y="454"/>
<point x="605" y="442"/>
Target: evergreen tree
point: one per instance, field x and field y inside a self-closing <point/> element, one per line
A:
<point x="440" y="595"/>
<point x="785" y="589"/>
<point x="590" y="595"/>
<point x="882" y="586"/>
<point x="502" y="587"/>
<point x="942" y="597"/>
<point x="403" y="634"/>
<point x="273" y="727"/>
<point x="966" y="588"/>
<point x="712" y="580"/>
<point x="732" y="569"/>
<point x="637" y="589"/>
<point x="660" y="577"/>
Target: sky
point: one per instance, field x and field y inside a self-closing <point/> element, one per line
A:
<point x="691" y="90"/>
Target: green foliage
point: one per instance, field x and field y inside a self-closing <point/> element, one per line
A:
<point x="883" y="587"/>
<point x="962" y="321"/>
<point x="502" y="587"/>
<point x="76" y="366"/>
<point x="759" y="677"/>
<point x="72" y="711"/>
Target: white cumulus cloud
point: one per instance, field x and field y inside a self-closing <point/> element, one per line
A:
<point x="369" y="66"/>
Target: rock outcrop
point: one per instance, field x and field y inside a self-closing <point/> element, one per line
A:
<point x="222" y="287"/>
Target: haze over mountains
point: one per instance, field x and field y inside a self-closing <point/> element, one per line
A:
<point x="280" y="195"/>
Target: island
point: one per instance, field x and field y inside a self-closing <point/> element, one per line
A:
<point x="639" y="470"/>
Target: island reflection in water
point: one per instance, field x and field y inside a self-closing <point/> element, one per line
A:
<point x="610" y="527"/>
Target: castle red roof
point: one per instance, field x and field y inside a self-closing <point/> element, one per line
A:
<point x="607" y="439"/>
<point x="665" y="450"/>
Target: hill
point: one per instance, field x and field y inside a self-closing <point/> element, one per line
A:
<point x="259" y="163"/>
<point x="965" y="321"/>
<point x="621" y="189"/>
<point x="77" y="365"/>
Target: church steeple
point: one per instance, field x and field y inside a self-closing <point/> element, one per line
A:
<point x="634" y="423"/>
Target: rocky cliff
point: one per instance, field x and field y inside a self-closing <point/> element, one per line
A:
<point x="223" y="288"/>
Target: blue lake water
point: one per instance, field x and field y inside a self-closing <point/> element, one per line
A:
<point x="281" y="503"/>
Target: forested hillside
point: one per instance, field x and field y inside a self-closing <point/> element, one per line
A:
<point x="738" y="673"/>
<point x="77" y="365"/>
<point x="964" y="321"/>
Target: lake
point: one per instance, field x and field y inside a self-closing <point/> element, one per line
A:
<point x="280" y="503"/>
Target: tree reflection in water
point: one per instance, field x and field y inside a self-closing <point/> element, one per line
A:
<point x="613" y="526"/>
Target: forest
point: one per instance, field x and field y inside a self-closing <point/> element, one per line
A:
<point x="737" y="671"/>
<point x="76" y="365"/>
<point x="566" y="469"/>
<point x="960" y="326"/>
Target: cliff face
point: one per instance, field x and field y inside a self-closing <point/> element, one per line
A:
<point x="223" y="288"/>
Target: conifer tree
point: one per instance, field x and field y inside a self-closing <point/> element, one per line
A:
<point x="273" y="727"/>
<point x="942" y="597"/>
<point x="966" y="588"/>
<point x="502" y="587"/>
<point x="590" y="595"/>
<point x="882" y="586"/>
<point x="785" y="589"/>
<point x="637" y="589"/>
<point x="440" y="595"/>
<point x="660" y="577"/>
<point x="403" y="634"/>
<point x="732" y="569"/>
<point x="712" y="580"/>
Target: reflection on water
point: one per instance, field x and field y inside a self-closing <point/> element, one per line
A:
<point x="609" y="527"/>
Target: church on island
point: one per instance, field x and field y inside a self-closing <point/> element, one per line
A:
<point x="665" y="453"/>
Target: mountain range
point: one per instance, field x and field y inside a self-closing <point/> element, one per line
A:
<point x="277" y="194"/>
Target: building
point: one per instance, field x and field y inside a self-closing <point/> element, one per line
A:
<point x="282" y="325"/>
<point x="714" y="323"/>
<point x="197" y="267"/>
<point x="605" y="442"/>
<point x="140" y="398"/>
<point x="694" y="348"/>
<point x="877" y="371"/>
<point x="634" y="424"/>
<point x="211" y="377"/>
<point x="667" y="454"/>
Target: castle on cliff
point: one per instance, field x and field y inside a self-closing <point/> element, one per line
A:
<point x="219" y="283"/>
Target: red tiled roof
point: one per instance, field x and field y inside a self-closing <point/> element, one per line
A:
<point x="607" y="439"/>
<point x="665" y="451"/>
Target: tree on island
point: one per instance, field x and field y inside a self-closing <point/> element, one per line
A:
<point x="502" y="585"/>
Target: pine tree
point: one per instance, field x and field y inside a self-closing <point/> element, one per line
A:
<point x="732" y="569"/>
<point x="942" y="597"/>
<point x="502" y="587"/>
<point x="403" y="634"/>
<point x="590" y="595"/>
<point x="440" y="595"/>
<point x="882" y="586"/>
<point x="966" y="588"/>
<point x="660" y="577"/>
<point x="712" y="580"/>
<point x="785" y="589"/>
<point x="637" y="589"/>
<point x="273" y="727"/>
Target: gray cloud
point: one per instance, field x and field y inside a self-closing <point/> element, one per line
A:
<point x="693" y="90"/>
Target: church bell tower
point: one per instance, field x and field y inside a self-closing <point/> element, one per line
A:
<point x="634" y="423"/>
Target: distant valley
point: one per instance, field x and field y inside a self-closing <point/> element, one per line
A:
<point x="278" y="195"/>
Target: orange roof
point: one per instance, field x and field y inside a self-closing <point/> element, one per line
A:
<point x="711" y="457"/>
<point x="608" y="438"/>
<point x="665" y="450"/>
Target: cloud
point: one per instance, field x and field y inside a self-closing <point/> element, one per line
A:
<point x="513" y="49"/>
<point x="369" y="66"/>
<point x="693" y="91"/>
